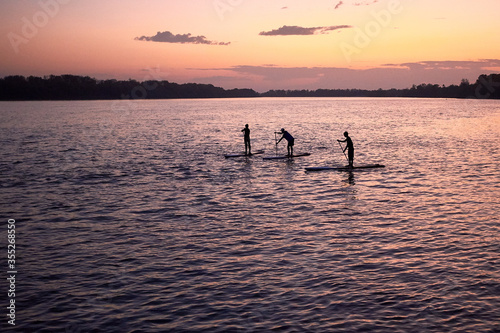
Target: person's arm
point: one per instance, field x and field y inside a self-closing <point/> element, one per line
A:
<point x="344" y="149"/>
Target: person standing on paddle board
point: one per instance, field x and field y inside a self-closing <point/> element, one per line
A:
<point x="349" y="146"/>
<point x="290" y="140"/>
<point x="248" y="148"/>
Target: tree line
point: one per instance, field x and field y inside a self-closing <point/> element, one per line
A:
<point x="72" y="87"/>
<point x="485" y="87"/>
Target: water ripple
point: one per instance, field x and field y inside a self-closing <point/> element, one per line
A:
<point x="141" y="225"/>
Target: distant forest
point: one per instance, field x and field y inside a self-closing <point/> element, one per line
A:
<point x="72" y="87"/>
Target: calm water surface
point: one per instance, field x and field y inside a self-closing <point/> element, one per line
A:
<point x="129" y="218"/>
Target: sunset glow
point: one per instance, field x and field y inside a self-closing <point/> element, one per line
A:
<point x="254" y="44"/>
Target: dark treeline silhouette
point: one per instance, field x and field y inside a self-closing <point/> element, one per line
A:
<point x="72" y="87"/>
<point x="486" y="86"/>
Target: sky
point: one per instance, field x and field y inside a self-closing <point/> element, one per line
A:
<point x="257" y="44"/>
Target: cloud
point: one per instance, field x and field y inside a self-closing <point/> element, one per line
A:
<point x="357" y="4"/>
<point x="294" y="30"/>
<point x="387" y="76"/>
<point x="450" y="65"/>
<point x="365" y="3"/>
<point x="168" y="37"/>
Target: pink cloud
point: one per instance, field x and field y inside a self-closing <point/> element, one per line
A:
<point x="387" y="76"/>
<point x="340" y="3"/>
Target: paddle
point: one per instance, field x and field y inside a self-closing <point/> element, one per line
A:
<point x="276" y="142"/>
<point x="342" y="148"/>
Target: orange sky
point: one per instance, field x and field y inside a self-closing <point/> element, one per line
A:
<point x="257" y="44"/>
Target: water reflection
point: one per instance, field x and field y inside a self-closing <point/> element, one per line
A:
<point x="350" y="179"/>
<point x="349" y="189"/>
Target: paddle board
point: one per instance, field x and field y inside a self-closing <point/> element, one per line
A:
<point x="282" y="157"/>
<point x="346" y="168"/>
<point x="243" y="154"/>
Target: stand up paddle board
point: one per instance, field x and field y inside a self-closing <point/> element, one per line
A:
<point x="282" y="157"/>
<point x="346" y="168"/>
<point x="243" y="154"/>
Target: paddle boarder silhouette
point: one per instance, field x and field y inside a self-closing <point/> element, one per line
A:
<point x="248" y="147"/>
<point x="290" y="140"/>
<point x="350" y="147"/>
